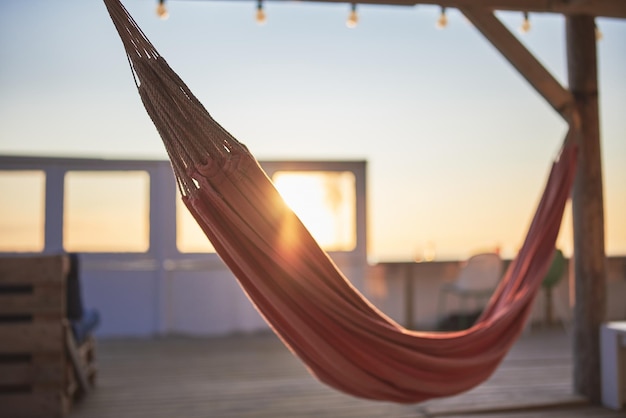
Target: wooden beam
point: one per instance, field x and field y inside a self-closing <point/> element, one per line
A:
<point x="587" y="209"/>
<point x="523" y="60"/>
<point x="602" y="8"/>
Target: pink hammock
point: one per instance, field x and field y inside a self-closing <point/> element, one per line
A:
<point x="342" y="338"/>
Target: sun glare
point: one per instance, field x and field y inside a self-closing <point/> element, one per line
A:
<point x="324" y="202"/>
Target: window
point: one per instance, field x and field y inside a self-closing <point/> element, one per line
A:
<point x="189" y="236"/>
<point x="106" y="211"/>
<point x="325" y="202"/>
<point x="22" y="211"/>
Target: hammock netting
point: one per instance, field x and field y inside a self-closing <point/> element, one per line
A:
<point x="343" y="339"/>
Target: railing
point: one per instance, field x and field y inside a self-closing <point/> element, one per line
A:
<point x="408" y="292"/>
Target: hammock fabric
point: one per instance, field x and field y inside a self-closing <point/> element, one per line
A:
<point x="342" y="338"/>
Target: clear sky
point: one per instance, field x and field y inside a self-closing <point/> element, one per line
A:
<point x="458" y="144"/>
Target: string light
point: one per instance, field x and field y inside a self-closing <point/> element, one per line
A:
<point x="525" y="27"/>
<point x="353" y="17"/>
<point x="161" y="10"/>
<point x="261" y="19"/>
<point x="599" y="34"/>
<point x="442" y="22"/>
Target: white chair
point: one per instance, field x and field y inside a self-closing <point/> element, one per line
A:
<point x="477" y="280"/>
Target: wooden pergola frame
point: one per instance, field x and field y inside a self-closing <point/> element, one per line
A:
<point x="596" y="8"/>
<point x="578" y="105"/>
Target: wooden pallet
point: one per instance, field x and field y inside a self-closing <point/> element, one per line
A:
<point x="42" y="370"/>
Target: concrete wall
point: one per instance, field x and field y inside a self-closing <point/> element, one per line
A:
<point x="202" y="297"/>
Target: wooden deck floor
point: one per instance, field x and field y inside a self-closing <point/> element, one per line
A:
<point x="255" y="376"/>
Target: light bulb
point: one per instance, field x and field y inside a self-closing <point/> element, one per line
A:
<point x="442" y="22"/>
<point x="599" y="34"/>
<point x="261" y="19"/>
<point x="161" y="10"/>
<point x="353" y="18"/>
<point x="525" y="27"/>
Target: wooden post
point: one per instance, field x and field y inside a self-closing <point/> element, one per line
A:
<point x="587" y="209"/>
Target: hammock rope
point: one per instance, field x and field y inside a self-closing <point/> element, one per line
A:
<point x="343" y="339"/>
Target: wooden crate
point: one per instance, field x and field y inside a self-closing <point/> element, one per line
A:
<point x="41" y="370"/>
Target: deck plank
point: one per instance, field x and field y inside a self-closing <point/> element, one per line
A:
<point x="256" y="376"/>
